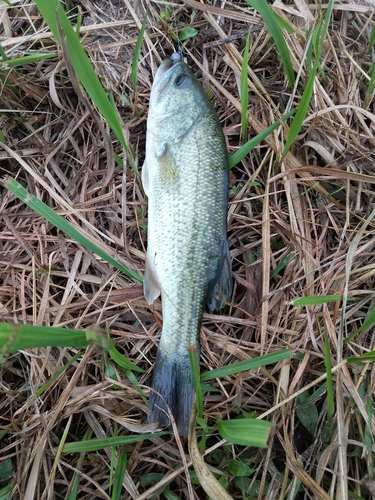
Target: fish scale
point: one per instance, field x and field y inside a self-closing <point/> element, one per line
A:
<point x="185" y="176"/>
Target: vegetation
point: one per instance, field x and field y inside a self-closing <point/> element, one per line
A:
<point x="293" y="85"/>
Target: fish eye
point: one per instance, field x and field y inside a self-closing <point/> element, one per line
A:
<point x="180" y="80"/>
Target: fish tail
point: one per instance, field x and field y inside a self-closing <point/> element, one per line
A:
<point x="173" y="380"/>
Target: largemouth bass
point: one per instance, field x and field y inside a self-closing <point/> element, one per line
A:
<point x="185" y="176"/>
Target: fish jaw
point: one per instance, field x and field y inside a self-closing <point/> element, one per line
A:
<point x="173" y="61"/>
<point x="162" y="69"/>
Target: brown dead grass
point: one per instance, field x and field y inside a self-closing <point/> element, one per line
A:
<point x="317" y="205"/>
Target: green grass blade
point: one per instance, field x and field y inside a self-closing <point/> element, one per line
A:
<point x="369" y="321"/>
<point x="282" y="264"/>
<point x="86" y="73"/>
<point x="91" y="445"/>
<point x="192" y="350"/>
<point x="32" y="58"/>
<point x="62" y="441"/>
<point x="330" y="394"/>
<point x="122" y="360"/>
<point x="368" y="357"/>
<point x="55" y="17"/>
<point x="72" y="493"/>
<point x="305" y="191"/>
<point x="317" y="41"/>
<point x="3" y="55"/>
<point x="283" y="23"/>
<point x="109" y="371"/>
<point x="45" y="386"/>
<point x="48" y="9"/>
<point x="119" y="475"/>
<point x="79" y="23"/>
<point x="244" y="89"/>
<point x="316" y="300"/>
<point x="252" y="143"/>
<point x="113" y="457"/>
<point x="371" y="85"/>
<point x="55" y="219"/>
<point x="368" y="437"/>
<point x="271" y="21"/>
<point x="134" y="381"/>
<point x="137" y="51"/>
<point x="16" y="337"/>
<point x="296" y="125"/>
<point x="245" y="431"/>
<point x="246" y="365"/>
<point x="323" y="34"/>
<point x="315" y="396"/>
<point x="372" y="39"/>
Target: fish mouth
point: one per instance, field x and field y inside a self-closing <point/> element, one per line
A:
<point x="162" y="75"/>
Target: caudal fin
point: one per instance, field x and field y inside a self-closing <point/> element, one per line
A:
<point x="172" y="379"/>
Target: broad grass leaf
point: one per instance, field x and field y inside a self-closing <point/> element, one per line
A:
<point x="245" y="431"/>
<point x="237" y="468"/>
<point x="18" y="337"/>
<point x="186" y="33"/>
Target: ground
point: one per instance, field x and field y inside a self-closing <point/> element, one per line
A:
<point x="300" y="226"/>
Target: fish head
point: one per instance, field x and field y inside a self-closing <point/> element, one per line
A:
<point x="176" y="100"/>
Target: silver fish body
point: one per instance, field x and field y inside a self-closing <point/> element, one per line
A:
<point x="185" y="177"/>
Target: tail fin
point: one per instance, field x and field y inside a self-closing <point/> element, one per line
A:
<point x="173" y="380"/>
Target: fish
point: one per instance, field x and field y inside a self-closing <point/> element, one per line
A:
<point x="185" y="177"/>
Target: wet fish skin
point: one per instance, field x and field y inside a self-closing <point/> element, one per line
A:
<point x="185" y="176"/>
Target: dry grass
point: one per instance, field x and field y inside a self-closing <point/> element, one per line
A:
<point x="316" y="208"/>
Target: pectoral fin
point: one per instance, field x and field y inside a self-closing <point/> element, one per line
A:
<point x="220" y="288"/>
<point x="151" y="288"/>
<point x="145" y="181"/>
<point x="167" y="166"/>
